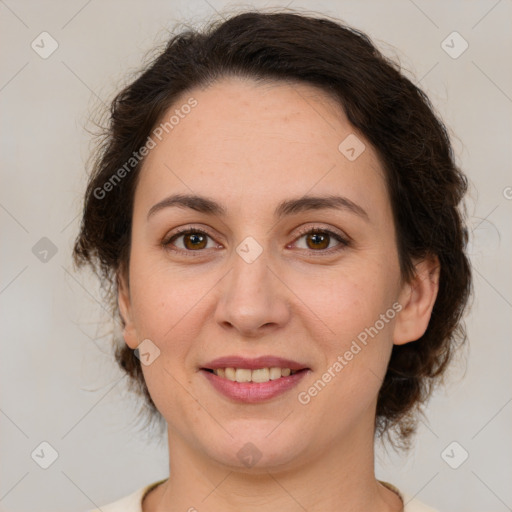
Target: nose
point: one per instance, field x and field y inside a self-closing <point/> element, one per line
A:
<point x="253" y="300"/>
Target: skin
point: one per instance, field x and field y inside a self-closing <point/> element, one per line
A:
<point x="250" y="146"/>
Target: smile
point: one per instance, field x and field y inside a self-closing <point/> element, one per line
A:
<point x="256" y="375"/>
<point x="253" y="386"/>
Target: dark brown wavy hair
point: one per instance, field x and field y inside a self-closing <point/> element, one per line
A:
<point x="424" y="183"/>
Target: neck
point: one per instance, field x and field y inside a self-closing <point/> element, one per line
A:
<point x="341" y="478"/>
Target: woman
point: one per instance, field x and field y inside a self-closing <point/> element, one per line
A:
<point x="276" y="208"/>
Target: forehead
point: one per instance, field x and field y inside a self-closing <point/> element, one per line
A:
<point x="258" y="143"/>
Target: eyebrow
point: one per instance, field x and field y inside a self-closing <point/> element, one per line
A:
<point x="289" y="207"/>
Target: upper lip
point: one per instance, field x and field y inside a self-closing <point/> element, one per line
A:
<point x="253" y="364"/>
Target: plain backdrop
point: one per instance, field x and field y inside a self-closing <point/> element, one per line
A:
<point x="59" y="384"/>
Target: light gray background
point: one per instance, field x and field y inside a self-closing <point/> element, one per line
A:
<point x="58" y="381"/>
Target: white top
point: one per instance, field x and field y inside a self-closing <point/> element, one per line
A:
<point x="133" y="502"/>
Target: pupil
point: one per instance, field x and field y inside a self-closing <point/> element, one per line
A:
<point x="195" y="239"/>
<point x="318" y="239"/>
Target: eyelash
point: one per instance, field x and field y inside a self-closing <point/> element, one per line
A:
<point x="343" y="242"/>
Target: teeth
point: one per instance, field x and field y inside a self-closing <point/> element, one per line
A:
<point x="275" y="373"/>
<point x="261" y="375"/>
<point x="242" y="375"/>
<point x="258" y="375"/>
<point x="230" y="374"/>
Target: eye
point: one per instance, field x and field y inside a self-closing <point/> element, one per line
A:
<point x="319" y="240"/>
<point x="193" y="240"/>
<point x="190" y="240"/>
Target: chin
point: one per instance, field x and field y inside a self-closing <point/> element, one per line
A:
<point x="259" y="449"/>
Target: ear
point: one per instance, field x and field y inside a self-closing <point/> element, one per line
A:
<point x="417" y="298"/>
<point x="125" y="309"/>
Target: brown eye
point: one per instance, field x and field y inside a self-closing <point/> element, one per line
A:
<point x="190" y="240"/>
<point x="194" y="241"/>
<point x="318" y="240"/>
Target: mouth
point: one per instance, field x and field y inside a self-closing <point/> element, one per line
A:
<point x="253" y="380"/>
<point x="258" y="375"/>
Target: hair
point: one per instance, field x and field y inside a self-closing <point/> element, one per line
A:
<point x="424" y="183"/>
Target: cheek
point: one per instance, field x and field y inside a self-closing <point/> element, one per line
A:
<point x="355" y="357"/>
<point x="170" y="302"/>
<point x="357" y="308"/>
<point x="347" y="301"/>
<point x="163" y="298"/>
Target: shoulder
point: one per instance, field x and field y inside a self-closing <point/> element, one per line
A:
<point x="411" y="504"/>
<point x="133" y="502"/>
<point x="130" y="503"/>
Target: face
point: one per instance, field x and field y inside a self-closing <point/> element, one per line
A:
<point x="261" y="270"/>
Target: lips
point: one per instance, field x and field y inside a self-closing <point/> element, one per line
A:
<point x="253" y="380"/>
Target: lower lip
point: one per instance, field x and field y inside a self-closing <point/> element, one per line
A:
<point x="253" y="392"/>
